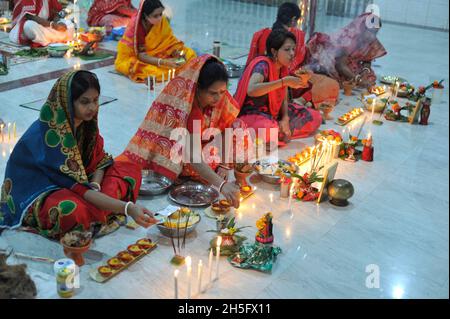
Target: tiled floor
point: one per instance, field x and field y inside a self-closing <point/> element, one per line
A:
<point x="398" y="218"/>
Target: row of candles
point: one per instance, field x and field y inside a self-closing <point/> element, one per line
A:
<point x="8" y="132"/>
<point x="188" y="262"/>
<point x="152" y="79"/>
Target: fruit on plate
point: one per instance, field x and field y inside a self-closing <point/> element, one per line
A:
<point x="224" y="203"/>
<point x="105" y="271"/>
<point x="219" y="209"/>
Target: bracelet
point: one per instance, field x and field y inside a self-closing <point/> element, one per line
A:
<point x="221" y="186"/>
<point x="225" y="167"/>
<point x="159" y="61"/>
<point x="126" y="208"/>
<point x="282" y="83"/>
<point x="51" y="24"/>
<point x="96" y="186"/>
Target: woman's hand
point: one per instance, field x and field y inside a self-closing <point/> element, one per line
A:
<point x="294" y="82"/>
<point x="141" y="215"/>
<point x="222" y="172"/>
<point x="172" y="63"/>
<point x="232" y="193"/>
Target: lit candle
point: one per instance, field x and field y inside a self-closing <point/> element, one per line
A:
<point x="189" y="275"/>
<point x="210" y="260"/>
<point x="175" y="277"/>
<point x="173" y="74"/>
<point x="14" y="131"/>
<point x="9" y="132"/>
<point x="1" y="131"/>
<point x="168" y="76"/>
<point x="219" y="242"/>
<point x="154" y="86"/>
<point x="199" y="276"/>
<point x="271" y="197"/>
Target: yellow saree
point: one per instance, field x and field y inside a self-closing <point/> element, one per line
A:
<point x="160" y="42"/>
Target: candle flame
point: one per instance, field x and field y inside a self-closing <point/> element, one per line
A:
<point x="188" y="261"/>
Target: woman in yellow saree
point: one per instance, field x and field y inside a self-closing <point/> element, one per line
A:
<point x="148" y="47"/>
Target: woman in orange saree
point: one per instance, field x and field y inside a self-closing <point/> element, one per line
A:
<point x="321" y="89"/>
<point x="195" y="101"/>
<point x="148" y="48"/>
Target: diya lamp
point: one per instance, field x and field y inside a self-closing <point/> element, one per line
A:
<point x="367" y="153"/>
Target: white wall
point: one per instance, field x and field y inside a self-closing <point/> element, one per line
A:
<point x="429" y="13"/>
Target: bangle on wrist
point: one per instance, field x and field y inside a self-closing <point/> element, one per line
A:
<point x="221" y="186"/>
<point x="159" y="61"/>
<point x="282" y="82"/>
<point x="51" y="24"/>
<point x="126" y="208"/>
<point x="96" y="186"/>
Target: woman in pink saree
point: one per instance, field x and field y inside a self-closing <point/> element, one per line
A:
<point x="347" y="55"/>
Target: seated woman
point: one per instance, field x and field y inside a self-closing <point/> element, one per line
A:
<point x="322" y="89"/>
<point x="114" y="13"/>
<point x="347" y="55"/>
<point x="262" y="91"/>
<point x="37" y="23"/>
<point x="58" y="177"/>
<point x="197" y="99"/>
<point x="148" y="47"/>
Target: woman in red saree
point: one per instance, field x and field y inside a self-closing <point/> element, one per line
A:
<point x="193" y="102"/>
<point x="114" y="13"/>
<point x="262" y="91"/>
<point x="37" y="22"/>
<point x="58" y="178"/>
<point x="347" y="55"/>
<point x="321" y="89"/>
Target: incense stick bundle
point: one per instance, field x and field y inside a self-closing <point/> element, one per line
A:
<point x="185" y="231"/>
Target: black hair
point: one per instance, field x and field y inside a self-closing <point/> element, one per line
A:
<point x="83" y="81"/>
<point x="286" y="12"/>
<point x="150" y="6"/>
<point x="276" y="40"/>
<point x="211" y="72"/>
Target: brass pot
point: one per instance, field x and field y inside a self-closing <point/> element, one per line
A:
<point x="340" y="190"/>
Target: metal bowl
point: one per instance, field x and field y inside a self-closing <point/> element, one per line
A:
<point x="57" y="50"/>
<point x="193" y="194"/>
<point x="154" y="183"/>
<point x="340" y="190"/>
<point x="172" y="232"/>
<point x="270" y="178"/>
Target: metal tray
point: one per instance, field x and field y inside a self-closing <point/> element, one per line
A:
<point x="154" y="183"/>
<point x="193" y="195"/>
<point x="172" y="231"/>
